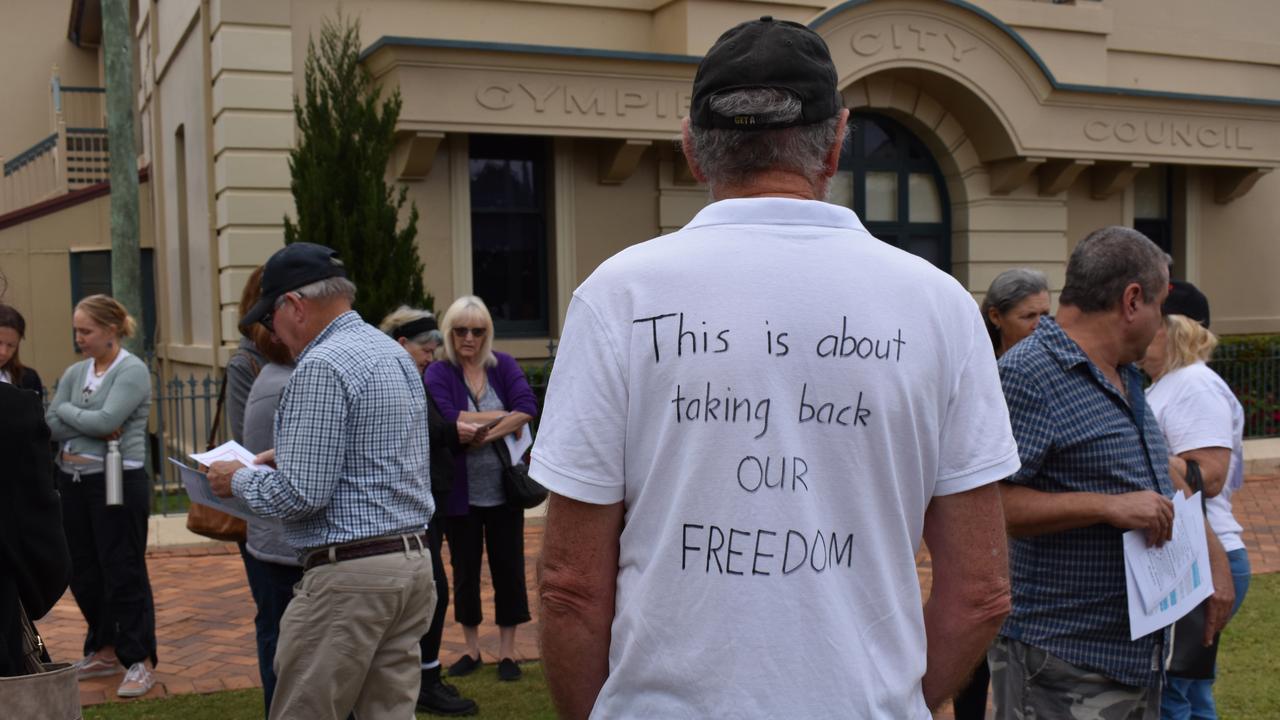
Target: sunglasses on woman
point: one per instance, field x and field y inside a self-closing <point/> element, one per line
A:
<point x="476" y="332"/>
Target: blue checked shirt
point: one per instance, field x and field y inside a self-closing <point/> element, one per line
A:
<point x="351" y="442"/>
<point x="1076" y="433"/>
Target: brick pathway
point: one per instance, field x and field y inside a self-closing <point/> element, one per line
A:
<point x="204" y="612"/>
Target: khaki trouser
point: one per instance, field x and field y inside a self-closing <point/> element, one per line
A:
<point x="1028" y="683"/>
<point x="349" y="639"/>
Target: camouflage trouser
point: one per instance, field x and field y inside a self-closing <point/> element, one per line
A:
<point x="1028" y="683"/>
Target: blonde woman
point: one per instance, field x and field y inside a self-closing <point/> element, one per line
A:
<point x="478" y="385"/>
<point x="105" y="397"/>
<point x="1202" y="421"/>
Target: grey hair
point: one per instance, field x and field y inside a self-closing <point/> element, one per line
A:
<point x="1007" y="290"/>
<point x="1106" y="262"/>
<point x="404" y="315"/>
<point x="734" y="157"/>
<point x="333" y="287"/>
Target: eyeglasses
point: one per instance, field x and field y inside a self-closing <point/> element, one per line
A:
<point x="268" y="320"/>
<point x="476" y="332"/>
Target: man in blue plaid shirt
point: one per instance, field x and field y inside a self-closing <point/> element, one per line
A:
<point x="1094" y="464"/>
<point x="352" y="488"/>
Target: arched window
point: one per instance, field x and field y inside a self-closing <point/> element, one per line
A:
<point x="892" y="182"/>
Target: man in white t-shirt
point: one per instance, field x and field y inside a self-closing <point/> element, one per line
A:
<point x="751" y="424"/>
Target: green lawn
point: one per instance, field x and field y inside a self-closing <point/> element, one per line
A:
<point x="1248" y="685"/>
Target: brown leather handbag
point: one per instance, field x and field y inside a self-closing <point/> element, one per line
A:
<point x="204" y="520"/>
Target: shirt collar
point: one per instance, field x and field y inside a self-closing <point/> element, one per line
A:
<point x="1069" y="354"/>
<point x="1060" y="346"/>
<point x="347" y="319"/>
<point x="776" y="211"/>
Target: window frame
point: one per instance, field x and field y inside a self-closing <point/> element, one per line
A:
<point x="536" y="150"/>
<point x="899" y="232"/>
<point x="148" y="322"/>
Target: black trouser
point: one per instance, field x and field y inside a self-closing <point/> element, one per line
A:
<point x="109" y="563"/>
<point x="271" y="585"/>
<point x="430" y="643"/>
<point x="500" y="531"/>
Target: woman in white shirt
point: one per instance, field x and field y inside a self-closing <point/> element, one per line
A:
<point x="106" y="397"/>
<point x="1201" y="420"/>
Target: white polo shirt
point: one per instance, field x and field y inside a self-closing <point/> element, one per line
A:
<point x="776" y="396"/>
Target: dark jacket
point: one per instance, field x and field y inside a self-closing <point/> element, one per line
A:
<point x="444" y="442"/>
<point x="447" y="387"/>
<point x="35" y="564"/>
<point x="30" y="380"/>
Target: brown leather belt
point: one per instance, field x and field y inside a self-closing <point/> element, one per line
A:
<point x="365" y="548"/>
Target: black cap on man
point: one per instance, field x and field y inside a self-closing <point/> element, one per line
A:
<point x="766" y="53"/>
<point x="291" y="267"/>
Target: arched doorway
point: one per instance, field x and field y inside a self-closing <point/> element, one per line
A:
<point x="893" y="183"/>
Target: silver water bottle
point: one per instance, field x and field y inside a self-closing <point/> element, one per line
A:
<point x="115" y="473"/>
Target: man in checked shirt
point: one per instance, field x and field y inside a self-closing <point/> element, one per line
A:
<point x="1094" y="464"/>
<point x="352" y="488"/>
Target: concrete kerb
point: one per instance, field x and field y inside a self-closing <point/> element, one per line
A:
<point x="1262" y="456"/>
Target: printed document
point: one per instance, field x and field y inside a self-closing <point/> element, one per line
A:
<point x="229" y="451"/>
<point x="1168" y="582"/>
<point x="517" y="448"/>
<point x="197" y="485"/>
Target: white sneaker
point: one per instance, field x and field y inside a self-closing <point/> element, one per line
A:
<point x="94" y="665"/>
<point x="137" y="682"/>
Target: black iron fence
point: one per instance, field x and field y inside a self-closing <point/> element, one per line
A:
<point x="1251" y="367"/>
<point x="184" y="409"/>
<point x="183" y="413"/>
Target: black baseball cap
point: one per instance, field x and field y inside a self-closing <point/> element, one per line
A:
<point x="767" y="53"/>
<point x="290" y="268"/>
<point x="1186" y="299"/>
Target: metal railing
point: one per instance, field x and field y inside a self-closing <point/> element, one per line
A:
<point x="31" y="176"/>
<point x="1253" y="374"/>
<point x="79" y="106"/>
<point x="88" y="156"/>
<point x="182" y="412"/>
<point x="75" y="155"/>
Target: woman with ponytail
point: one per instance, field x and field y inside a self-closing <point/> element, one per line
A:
<point x="102" y="398"/>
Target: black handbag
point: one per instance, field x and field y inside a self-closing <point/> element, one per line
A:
<point x="521" y="490"/>
<point x="33" y="652"/>
<point x="1188" y="656"/>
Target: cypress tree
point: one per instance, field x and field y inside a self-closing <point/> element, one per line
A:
<point x="339" y="176"/>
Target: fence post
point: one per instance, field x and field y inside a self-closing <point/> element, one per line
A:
<point x="61" y="152"/>
<point x="55" y="88"/>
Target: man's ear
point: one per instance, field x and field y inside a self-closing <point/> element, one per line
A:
<point x="686" y="146"/>
<point x="1129" y="300"/>
<point x="833" y="154"/>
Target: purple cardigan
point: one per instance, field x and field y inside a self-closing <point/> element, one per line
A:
<point x="449" y="390"/>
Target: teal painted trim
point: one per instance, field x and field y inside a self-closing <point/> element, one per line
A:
<point x="393" y="41"/>
<point x="87" y="131"/>
<point x="82" y="89"/>
<point x="1166" y="95"/>
<point x="1053" y="81"/>
<point x="30" y="154"/>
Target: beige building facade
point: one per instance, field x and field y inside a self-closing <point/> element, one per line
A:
<point x="536" y="140"/>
